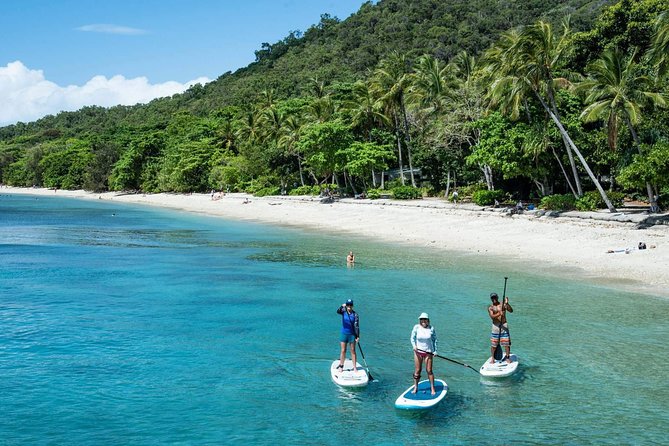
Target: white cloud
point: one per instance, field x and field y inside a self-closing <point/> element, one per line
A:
<point x="111" y="29"/>
<point x="26" y="95"/>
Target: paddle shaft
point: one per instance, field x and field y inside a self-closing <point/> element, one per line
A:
<point x="365" y="361"/>
<point x="449" y="359"/>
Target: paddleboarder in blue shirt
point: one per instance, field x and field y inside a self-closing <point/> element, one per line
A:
<point x="350" y="332"/>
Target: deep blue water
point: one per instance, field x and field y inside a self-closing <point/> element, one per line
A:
<point x="129" y="325"/>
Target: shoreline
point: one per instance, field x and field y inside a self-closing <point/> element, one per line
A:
<point x="574" y="241"/>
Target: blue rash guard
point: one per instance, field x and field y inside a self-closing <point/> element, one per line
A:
<point x="350" y="323"/>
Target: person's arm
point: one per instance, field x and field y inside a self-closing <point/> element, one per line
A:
<point x="434" y="341"/>
<point x="341" y="309"/>
<point x="507" y="306"/>
<point x="413" y="336"/>
<point x="492" y="313"/>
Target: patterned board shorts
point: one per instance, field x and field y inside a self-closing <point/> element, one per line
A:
<point x="504" y="339"/>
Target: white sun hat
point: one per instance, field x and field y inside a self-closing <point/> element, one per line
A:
<point x="423" y="316"/>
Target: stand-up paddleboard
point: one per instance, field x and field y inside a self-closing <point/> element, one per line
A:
<point x="500" y="369"/>
<point x="423" y="399"/>
<point x="347" y="377"/>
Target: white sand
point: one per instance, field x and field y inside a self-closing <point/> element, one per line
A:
<point x="563" y="246"/>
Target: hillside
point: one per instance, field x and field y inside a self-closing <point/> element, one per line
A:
<point x="336" y="51"/>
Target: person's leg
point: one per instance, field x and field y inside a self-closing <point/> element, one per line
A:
<point x="342" y="354"/>
<point x="430" y="375"/>
<point x="418" y="366"/>
<point x="494" y="340"/>
<point x="353" y="356"/>
<point x="506" y="343"/>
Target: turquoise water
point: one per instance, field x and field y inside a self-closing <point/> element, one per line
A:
<point x="128" y="325"/>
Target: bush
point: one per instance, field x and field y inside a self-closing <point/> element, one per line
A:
<point x="374" y="194"/>
<point x="592" y="200"/>
<point x="566" y="202"/>
<point x="469" y="190"/>
<point x="406" y="193"/>
<point x="488" y="197"/>
<point x="305" y="190"/>
<point x="269" y="190"/>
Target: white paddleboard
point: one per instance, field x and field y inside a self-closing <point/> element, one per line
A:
<point x="347" y="377"/>
<point x="423" y="398"/>
<point x="500" y="369"/>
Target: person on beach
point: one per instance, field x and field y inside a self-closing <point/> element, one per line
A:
<point x="350" y="333"/>
<point x="499" y="334"/>
<point x="350" y="258"/>
<point x="424" y="343"/>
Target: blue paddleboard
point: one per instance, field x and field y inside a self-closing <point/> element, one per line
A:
<point x="423" y="399"/>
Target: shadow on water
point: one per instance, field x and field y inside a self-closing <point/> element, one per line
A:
<point x="450" y="408"/>
<point x="509" y="381"/>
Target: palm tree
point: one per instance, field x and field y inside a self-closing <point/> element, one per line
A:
<point x="365" y="111"/>
<point x="660" y="45"/>
<point x="617" y="94"/>
<point x="528" y="67"/>
<point x="431" y="85"/>
<point x="289" y="136"/>
<point x="390" y="83"/>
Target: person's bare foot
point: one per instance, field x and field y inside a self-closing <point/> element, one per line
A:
<point x="434" y="392"/>
<point x="415" y="389"/>
<point x="492" y="361"/>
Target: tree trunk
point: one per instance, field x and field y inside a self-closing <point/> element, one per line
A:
<point x="448" y="183"/>
<point x="407" y="139"/>
<point x="564" y="172"/>
<point x="399" y="146"/>
<point x="572" y="162"/>
<point x="299" y="165"/>
<point x="649" y="187"/>
<point x="565" y="136"/>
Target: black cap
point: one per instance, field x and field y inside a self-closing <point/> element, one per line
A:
<point x="494" y="296"/>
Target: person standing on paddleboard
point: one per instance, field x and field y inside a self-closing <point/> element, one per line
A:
<point x="350" y="332"/>
<point x="499" y="334"/>
<point x="424" y="342"/>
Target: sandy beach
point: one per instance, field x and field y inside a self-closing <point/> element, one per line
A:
<point x="572" y="244"/>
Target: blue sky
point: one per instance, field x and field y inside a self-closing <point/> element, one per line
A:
<point x="64" y="54"/>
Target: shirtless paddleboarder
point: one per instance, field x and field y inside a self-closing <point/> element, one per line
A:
<point x="499" y="334"/>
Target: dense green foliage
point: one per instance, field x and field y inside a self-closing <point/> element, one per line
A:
<point x="388" y="100"/>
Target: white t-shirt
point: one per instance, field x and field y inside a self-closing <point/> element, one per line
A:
<point x="424" y="338"/>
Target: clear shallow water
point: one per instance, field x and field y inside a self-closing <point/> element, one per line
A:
<point x="127" y="325"/>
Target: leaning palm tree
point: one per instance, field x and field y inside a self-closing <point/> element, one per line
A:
<point x="617" y="93"/>
<point x="390" y="83"/>
<point x="529" y="67"/>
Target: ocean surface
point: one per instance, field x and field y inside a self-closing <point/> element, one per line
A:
<point x="130" y="325"/>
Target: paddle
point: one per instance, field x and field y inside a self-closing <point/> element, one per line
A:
<point x="499" y="354"/>
<point x="449" y="359"/>
<point x="366" y="366"/>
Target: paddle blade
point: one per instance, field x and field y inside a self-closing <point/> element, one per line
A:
<point x="498" y="353"/>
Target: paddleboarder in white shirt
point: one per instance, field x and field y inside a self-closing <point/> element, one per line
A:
<point x="424" y="342"/>
<point x="499" y="334"/>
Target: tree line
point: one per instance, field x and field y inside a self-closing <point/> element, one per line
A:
<point x="545" y="112"/>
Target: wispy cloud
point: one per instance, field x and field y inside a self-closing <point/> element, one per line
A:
<point x="111" y="29"/>
<point x="26" y="95"/>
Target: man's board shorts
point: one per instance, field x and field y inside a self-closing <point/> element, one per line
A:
<point x="347" y="338"/>
<point x="496" y="338"/>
